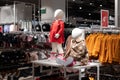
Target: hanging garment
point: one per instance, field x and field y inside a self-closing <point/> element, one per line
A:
<point x="13" y="28"/>
<point x="104" y="47"/>
<point x="1" y="28"/>
<point x="6" y="28"/>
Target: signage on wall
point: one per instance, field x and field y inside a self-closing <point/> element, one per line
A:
<point x="104" y="18"/>
<point x="43" y="11"/>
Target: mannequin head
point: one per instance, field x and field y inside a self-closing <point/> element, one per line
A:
<point x="78" y="34"/>
<point x="59" y="14"/>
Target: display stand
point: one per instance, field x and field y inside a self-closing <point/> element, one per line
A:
<point x="88" y="66"/>
<point x="53" y="63"/>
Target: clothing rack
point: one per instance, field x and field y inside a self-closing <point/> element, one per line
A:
<point x="104" y="45"/>
<point x="22" y="32"/>
<point x="103" y="30"/>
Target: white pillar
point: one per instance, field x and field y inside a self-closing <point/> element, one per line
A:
<point x="117" y="13"/>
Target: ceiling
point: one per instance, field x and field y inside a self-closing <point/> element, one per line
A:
<point x="85" y="9"/>
<point x="90" y="9"/>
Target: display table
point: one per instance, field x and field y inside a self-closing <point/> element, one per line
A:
<point x="53" y="63"/>
<point x="88" y="66"/>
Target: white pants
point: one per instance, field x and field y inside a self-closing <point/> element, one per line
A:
<point x="56" y="47"/>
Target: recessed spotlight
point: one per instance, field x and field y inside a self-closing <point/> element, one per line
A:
<point x="91" y="3"/>
<point x="73" y="0"/>
<point x="100" y="5"/>
<point x="80" y="7"/>
<point x="89" y="14"/>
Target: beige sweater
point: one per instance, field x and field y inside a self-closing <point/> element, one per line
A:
<point x="76" y="49"/>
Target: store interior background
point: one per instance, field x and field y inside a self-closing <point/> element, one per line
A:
<point x="82" y="13"/>
<point x="78" y="13"/>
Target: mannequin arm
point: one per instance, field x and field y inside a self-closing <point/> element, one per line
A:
<point x="61" y="29"/>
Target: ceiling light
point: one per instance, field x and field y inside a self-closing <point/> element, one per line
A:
<point x="91" y="3"/>
<point x="80" y="7"/>
<point x="89" y="14"/>
<point x="100" y="5"/>
<point x="73" y="0"/>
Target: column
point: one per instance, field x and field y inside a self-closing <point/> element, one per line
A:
<point x="117" y="13"/>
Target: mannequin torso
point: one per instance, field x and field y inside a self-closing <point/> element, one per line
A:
<point x="57" y="27"/>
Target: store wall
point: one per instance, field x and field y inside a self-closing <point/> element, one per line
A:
<point x="50" y="6"/>
<point x="6" y="14"/>
<point x="22" y="12"/>
<point x="19" y="10"/>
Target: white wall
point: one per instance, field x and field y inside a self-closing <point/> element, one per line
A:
<point x="51" y="6"/>
<point x="6" y="14"/>
<point x="22" y="12"/>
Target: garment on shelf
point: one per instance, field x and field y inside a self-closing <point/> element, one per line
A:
<point x="15" y="60"/>
<point x="14" y="40"/>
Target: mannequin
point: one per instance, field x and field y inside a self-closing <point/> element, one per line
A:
<point x="75" y="49"/>
<point x="57" y="34"/>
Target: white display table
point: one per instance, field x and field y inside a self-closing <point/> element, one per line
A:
<point x="88" y="66"/>
<point x="53" y="63"/>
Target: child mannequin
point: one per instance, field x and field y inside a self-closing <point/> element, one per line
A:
<point x="57" y="34"/>
<point x="76" y="51"/>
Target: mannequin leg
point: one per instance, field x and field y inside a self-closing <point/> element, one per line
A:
<point x="54" y="47"/>
<point x="61" y="59"/>
<point x="54" y="51"/>
<point x="60" y="49"/>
